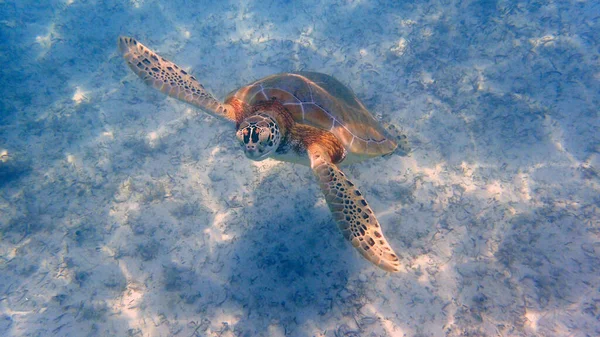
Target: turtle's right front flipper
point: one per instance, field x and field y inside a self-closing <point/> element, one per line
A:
<point x="353" y="215"/>
<point x="170" y="79"/>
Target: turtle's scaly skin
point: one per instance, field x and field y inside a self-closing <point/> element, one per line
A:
<point x="310" y="118"/>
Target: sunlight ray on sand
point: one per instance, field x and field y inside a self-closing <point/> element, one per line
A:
<point x="47" y="40"/>
<point x="80" y="96"/>
<point x="128" y="304"/>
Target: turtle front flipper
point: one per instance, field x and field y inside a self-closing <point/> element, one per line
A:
<point x="353" y="215"/>
<point x="400" y="138"/>
<point x="170" y="79"/>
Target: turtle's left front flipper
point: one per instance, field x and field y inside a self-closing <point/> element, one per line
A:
<point x="170" y="79"/>
<point x="353" y="215"/>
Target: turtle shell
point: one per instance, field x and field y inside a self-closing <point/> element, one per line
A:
<point x="322" y="101"/>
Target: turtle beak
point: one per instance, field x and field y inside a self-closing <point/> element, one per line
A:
<point x="253" y="152"/>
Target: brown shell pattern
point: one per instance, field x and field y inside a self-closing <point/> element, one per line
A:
<point x="322" y="101"/>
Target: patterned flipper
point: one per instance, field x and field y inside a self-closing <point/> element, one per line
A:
<point x="401" y="139"/>
<point x="170" y="79"/>
<point x="353" y="215"/>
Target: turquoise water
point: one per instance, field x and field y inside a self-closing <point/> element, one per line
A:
<point x="127" y="213"/>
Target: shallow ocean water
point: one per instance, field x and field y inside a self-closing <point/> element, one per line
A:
<point x="127" y="213"/>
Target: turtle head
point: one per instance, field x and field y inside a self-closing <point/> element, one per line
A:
<point x="259" y="136"/>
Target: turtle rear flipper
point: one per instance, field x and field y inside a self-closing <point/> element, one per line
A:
<point x="353" y="215"/>
<point x="170" y="79"/>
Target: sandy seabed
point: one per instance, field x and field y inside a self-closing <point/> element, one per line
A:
<point x="126" y="213"/>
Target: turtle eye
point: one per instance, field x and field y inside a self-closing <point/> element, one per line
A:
<point x="263" y="134"/>
<point x="243" y="135"/>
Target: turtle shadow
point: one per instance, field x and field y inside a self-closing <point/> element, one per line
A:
<point x="291" y="260"/>
<point x="282" y="268"/>
<point x="292" y="270"/>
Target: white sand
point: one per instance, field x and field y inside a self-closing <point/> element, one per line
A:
<point x="125" y="213"/>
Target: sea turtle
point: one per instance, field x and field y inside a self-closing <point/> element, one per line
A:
<point x="301" y="117"/>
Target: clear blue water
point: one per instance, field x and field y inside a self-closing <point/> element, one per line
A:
<point x="126" y="213"/>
